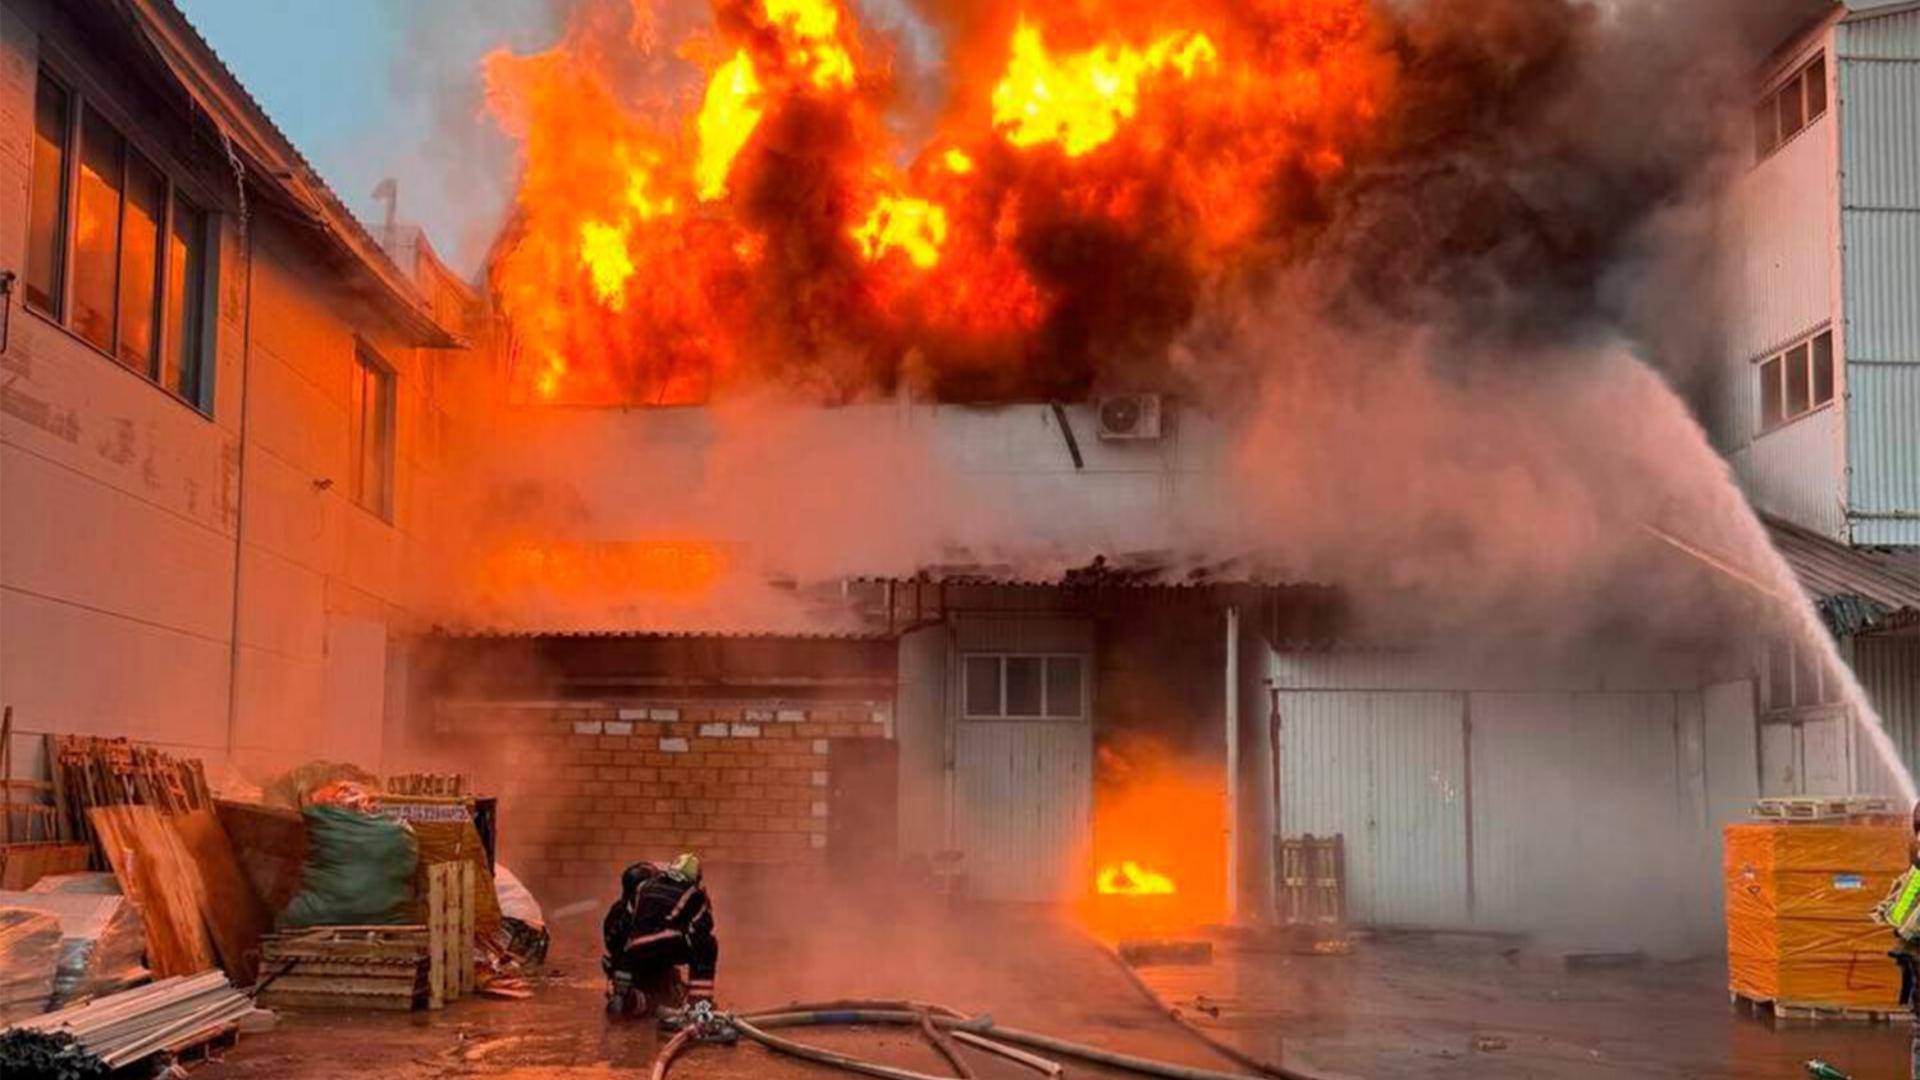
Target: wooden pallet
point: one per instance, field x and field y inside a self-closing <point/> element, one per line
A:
<point x="1820" y="808"/>
<point x="346" y="967"/>
<point x="1809" y="1012"/>
<point x="449" y="932"/>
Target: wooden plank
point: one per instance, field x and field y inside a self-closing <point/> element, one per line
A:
<point x="150" y="869"/>
<point x="464" y="953"/>
<point x="308" y="1000"/>
<point x="297" y="982"/>
<point x="233" y="913"/>
<point x="270" y="843"/>
<point x="23" y="864"/>
<point x="436" y="937"/>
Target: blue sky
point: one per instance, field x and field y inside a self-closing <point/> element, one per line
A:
<point x="374" y="88"/>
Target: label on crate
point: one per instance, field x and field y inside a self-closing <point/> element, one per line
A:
<point x="1849" y="881"/>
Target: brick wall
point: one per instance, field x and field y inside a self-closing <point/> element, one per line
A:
<point x="587" y="788"/>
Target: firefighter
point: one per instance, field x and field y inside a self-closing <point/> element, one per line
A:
<point x="664" y="919"/>
<point x="1900" y="911"/>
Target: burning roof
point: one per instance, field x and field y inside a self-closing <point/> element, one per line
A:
<point x="780" y="216"/>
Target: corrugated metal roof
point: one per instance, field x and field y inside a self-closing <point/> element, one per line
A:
<point x="1857" y="589"/>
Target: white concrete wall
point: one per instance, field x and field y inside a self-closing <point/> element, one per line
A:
<point x="121" y="507"/>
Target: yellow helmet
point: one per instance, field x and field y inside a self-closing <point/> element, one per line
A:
<point x="685" y="867"/>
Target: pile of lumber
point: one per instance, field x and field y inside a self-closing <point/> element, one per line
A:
<point x="103" y="939"/>
<point x="346" y="967"/>
<point x="29" y="956"/>
<point x="90" y="771"/>
<point x="36" y="837"/>
<point x="124" y="1028"/>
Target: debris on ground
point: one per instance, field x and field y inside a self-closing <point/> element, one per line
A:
<point x="1147" y="952"/>
<point x="1488" y="1043"/>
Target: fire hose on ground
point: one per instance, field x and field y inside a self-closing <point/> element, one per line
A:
<point x="979" y="1031"/>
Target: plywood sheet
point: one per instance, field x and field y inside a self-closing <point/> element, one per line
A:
<point x="154" y="869"/>
<point x="233" y="913"/>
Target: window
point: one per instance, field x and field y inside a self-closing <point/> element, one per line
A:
<point x="46" y="253"/>
<point x="373" y="434"/>
<point x="1796" y="382"/>
<point x="114" y="251"/>
<point x="1793" y="105"/>
<point x="1025" y="687"/>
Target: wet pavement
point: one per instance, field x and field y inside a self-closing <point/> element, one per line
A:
<point x="1434" y="1006"/>
<point x="1028" y="969"/>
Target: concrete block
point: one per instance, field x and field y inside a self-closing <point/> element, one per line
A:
<point x="673" y="746"/>
<point x="819" y="746"/>
<point x="791" y="716"/>
<point x="617" y="727"/>
<point x="819" y="808"/>
<point x="819" y="778"/>
<point x="759" y="715"/>
<point x="746" y="731"/>
<point x="667" y="715"/>
<point x="633" y="714"/>
<point x="713" y="731"/>
<point x="586" y="727"/>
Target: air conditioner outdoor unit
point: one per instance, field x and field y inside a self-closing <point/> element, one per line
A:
<point x="1130" y="417"/>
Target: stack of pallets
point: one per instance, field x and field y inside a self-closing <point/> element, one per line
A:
<point x="345" y="967"/>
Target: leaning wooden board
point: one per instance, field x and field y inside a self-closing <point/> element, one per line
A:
<point x="232" y="912"/>
<point x="153" y="867"/>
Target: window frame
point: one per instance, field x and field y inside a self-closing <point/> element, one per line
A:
<point x="370" y="367"/>
<point x="83" y="97"/>
<point x="1043" y="659"/>
<point x="1772" y="102"/>
<point x="1773" y="368"/>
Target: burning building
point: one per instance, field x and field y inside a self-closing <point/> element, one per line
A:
<point x="1189" y="428"/>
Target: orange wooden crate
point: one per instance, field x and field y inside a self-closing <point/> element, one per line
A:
<point x="1800" y="901"/>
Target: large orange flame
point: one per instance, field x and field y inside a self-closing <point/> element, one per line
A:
<point x="669" y="242"/>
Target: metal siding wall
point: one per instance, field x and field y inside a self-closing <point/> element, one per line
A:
<point x="1039" y="634"/>
<point x="920" y="726"/>
<point x="1883" y="36"/>
<point x="1883" y="277"/>
<point x="1879" y="71"/>
<point x="1783" y="246"/>
<point x="1522" y="762"/>
<point x="1884" y="434"/>
<point x="1629" y="794"/>
<point x="1799" y="472"/>
<point x="1387" y="771"/>
<point x="1889" y="668"/>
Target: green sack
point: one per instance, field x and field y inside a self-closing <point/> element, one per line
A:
<point x="359" y="871"/>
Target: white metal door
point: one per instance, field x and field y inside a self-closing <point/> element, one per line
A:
<point x="1023" y="804"/>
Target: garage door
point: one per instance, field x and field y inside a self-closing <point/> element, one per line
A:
<point x="1023" y="808"/>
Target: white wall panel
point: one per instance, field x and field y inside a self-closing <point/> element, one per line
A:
<point x="1798" y="472"/>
